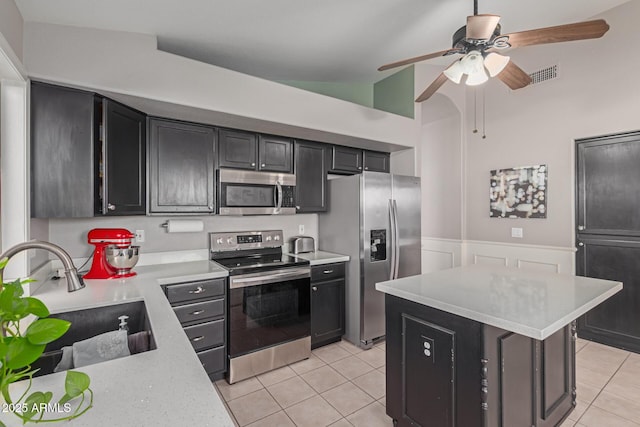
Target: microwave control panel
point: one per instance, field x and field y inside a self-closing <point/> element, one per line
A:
<point x="288" y="198"/>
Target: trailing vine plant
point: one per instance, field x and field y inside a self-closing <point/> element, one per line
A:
<point x="18" y="350"/>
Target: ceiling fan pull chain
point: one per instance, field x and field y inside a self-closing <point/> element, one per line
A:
<point x="484" y="114"/>
<point x="475" y="110"/>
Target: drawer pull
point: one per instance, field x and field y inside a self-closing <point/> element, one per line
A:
<point x="328" y="271"/>
<point x="196" y="339"/>
<point x="315" y="288"/>
<point x="195" y="313"/>
<point x="197" y="290"/>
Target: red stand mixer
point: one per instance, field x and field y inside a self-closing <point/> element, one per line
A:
<point x="114" y="256"/>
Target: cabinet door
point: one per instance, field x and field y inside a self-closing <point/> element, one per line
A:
<point x="275" y="154"/>
<point x="608" y="178"/>
<point x="237" y="150"/>
<point x="124" y="156"/>
<point x="615" y="321"/>
<point x="375" y="161"/>
<point x="311" y="177"/>
<point x="181" y="163"/>
<point x="63" y="125"/>
<point x="346" y="160"/>
<point x="327" y="311"/>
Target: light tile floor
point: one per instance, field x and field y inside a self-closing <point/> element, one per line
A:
<point x="341" y="385"/>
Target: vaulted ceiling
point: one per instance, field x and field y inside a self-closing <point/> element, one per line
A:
<point x="326" y="41"/>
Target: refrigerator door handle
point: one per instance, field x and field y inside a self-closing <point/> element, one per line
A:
<point x="392" y="240"/>
<point x="396" y="240"/>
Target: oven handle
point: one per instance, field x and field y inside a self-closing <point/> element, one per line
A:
<point x="276" y="276"/>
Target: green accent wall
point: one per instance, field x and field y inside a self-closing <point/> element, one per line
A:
<point x="358" y="93"/>
<point x="394" y="94"/>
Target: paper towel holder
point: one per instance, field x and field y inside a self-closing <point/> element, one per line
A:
<point x="195" y="226"/>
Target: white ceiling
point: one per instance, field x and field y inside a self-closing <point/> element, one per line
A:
<point x="309" y="40"/>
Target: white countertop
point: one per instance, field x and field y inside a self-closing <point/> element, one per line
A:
<point x="321" y="257"/>
<point x="534" y="304"/>
<point x="163" y="387"/>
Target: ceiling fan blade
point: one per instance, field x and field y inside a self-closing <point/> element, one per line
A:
<point x="433" y="87"/>
<point x="415" y="59"/>
<point x="514" y="76"/>
<point x="560" y="33"/>
<point x="481" y="27"/>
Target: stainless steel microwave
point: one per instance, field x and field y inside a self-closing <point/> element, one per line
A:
<point x="242" y="192"/>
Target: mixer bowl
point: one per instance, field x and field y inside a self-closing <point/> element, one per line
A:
<point x="122" y="259"/>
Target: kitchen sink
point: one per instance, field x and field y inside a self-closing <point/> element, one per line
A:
<point x="90" y="322"/>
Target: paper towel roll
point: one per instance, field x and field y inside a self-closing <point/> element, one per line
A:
<point x="184" y="225"/>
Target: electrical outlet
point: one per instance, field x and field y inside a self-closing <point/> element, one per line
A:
<point x="516" y="232"/>
<point x="301" y="229"/>
<point x="140" y="236"/>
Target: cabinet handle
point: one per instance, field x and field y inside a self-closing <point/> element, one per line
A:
<point x="581" y="227"/>
<point x="111" y="207"/>
<point x="263" y="165"/>
<point x="297" y="207"/>
<point x="359" y="168"/>
<point x="253" y="164"/>
<point x="210" y="207"/>
<point x="197" y="290"/>
<point x="314" y="288"/>
<point x="580" y="244"/>
<point x="195" y="313"/>
<point x="196" y="339"/>
<point x="328" y="271"/>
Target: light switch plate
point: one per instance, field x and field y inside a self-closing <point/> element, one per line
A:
<point x="301" y="229"/>
<point x="140" y="236"/>
<point x="516" y="232"/>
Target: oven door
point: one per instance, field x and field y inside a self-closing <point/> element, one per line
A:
<point x="268" y="308"/>
<point x="255" y="193"/>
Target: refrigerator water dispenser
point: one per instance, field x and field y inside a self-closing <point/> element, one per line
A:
<point x="378" y="245"/>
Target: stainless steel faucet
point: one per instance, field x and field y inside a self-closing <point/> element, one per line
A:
<point x="74" y="282"/>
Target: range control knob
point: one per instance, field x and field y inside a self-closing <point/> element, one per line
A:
<point x="268" y="238"/>
<point x="276" y="237"/>
<point x="219" y="240"/>
<point x="230" y="240"/>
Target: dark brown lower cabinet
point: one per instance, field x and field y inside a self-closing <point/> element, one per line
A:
<point x="327" y="303"/>
<point x="445" y="370"/>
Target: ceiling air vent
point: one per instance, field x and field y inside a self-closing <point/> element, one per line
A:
<point x="544" y="74"/>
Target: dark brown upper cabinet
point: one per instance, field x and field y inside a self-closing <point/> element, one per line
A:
<point x="375" y="161"/>
<point x="63" y="131"/>
<point x="181" y="167"/>
<point x="311" y="176"/>
<point x="124" y="154"/>
<point x="87" y="155"/>
<point x="244" y="150"/>
<point x="275" y="154"/>
<point x="237" y="149"/>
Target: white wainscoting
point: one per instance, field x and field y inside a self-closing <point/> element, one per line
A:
<point x="438" y="254"/>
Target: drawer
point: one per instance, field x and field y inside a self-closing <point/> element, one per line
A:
<point x="205" y="335"/>
<point x="214" y="359"/>
<point x="192" y="291"/>
<point x="320" y="273"/>
<point x="200" y="310"/>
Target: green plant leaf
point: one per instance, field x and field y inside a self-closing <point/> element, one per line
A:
<point x="44" y="331"/>
<point x="3" y="349"/>
<point x="21" y="353"/>
<point x="32" y="404"/>
<point x="37" y="307"/>
<point x="12" y="306"/>
<point x="76" y="383"/>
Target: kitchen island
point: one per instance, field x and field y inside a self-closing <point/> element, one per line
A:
<point x="484" y="346"/>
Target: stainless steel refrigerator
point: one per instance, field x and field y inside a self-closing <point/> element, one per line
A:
<point x="375" y="219"/>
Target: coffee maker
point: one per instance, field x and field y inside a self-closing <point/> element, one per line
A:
<point x="114" y="256"/>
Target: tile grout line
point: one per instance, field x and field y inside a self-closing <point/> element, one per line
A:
<point x="602" y="389"/>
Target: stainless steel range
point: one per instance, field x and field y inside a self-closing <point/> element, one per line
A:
<point x="268" y="302"/>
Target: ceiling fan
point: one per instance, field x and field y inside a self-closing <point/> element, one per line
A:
<point x="480" y="40"/>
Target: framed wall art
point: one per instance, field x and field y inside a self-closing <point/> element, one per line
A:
<point x="518" y="192"/>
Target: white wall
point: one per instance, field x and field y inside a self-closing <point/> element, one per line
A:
<point x="130" y="64"/>
<point x="11" y="26"/>
<point x="597" y="93"/>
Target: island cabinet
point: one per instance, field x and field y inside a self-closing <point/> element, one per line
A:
<point x="200" y="307"/>
<point x="446" y="370"/>
<point x="245" y="150"/>
<point x="88" y="155"/>
<point x="311" y="177"/>
<point x="327" y="303"/>
<point x="181" y="167"/>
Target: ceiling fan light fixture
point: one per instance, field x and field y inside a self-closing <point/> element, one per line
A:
<point x="495" y="63"/>
<point x="454" y="72"/>
<point x="477" y="78"/>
